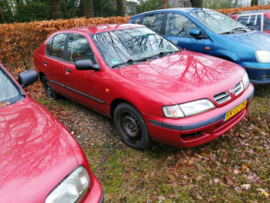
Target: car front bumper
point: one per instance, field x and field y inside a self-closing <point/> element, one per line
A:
<point x="198" y="129"/>
<point x="258" y="73"/>
<point x="96" y="194"/>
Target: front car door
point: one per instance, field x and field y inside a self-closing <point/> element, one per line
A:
<point x="177" y="28"/>
<point x="85" y="86"/>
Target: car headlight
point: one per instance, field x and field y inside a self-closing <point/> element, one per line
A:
<point x="262" y="56"/>
<point x="72" y="188"/>
<point x="188" y="109"/>
<point x="246" y="81"/>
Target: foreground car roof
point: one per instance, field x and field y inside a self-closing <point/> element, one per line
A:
<point x="102" y="28"/>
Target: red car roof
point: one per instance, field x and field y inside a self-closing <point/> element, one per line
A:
<point x="102" y="28"/>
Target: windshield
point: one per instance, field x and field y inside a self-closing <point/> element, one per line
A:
<point x="131" y="45"/>
<point x="217" y="22"/>
<point x="9" y="93"/>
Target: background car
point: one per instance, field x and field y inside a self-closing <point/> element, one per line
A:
<point x="40" y="161"/>
<point x="152" y="89"/>
<point x="210" y="32"/>
<point x="257" y="20"/>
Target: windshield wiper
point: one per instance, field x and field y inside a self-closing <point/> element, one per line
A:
<point x="236" y="29"/>
<point x="162" y="53"/>
<point x="130" y="61"/>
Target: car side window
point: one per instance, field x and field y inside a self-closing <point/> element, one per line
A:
<point x="255" y="22"/>
<point x="243" y="19"/>
<point x="153" y="22"/>
<point x="136" y="21"/>
<point x="79" y="48"/>
<point x="58" y="45"/>
<point x="252" y="21"/>
<point x="178" y="25"/>
<point x="266" y="23"/>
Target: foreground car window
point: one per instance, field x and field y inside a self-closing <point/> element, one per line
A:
<point x="217" y="22"/>
<point x="9" y="93"/>
<point x="131" y="44"/>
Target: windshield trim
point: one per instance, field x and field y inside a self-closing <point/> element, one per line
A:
<point x="103" y="58"/>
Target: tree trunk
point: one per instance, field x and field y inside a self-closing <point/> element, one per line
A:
<point x="55" y="9"/>
<point x="165" y="3"/>
<point x="197" y="3"/>
<point x="88" y="8"/>
<point x="120" y="8"/>
<point x="254" y="2"/>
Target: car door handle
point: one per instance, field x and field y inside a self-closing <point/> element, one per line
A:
<point x="68" y="70"/>
<point x="45" y="63"/>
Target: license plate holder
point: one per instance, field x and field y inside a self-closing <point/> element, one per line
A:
<point x="235" y="110"/>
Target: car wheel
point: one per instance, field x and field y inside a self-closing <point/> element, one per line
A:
<point x="131" y="127"/>
<point x="48" y="88"/>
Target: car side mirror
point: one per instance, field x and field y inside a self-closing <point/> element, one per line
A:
<point x="27" y="78"/>
<point x="86" y="64"/>
<point x="196" y="33"/>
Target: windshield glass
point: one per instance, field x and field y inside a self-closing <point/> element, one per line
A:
<point x="217" y="22"/>
<point x="121" y="46"/>
<point x="9" y="93"/>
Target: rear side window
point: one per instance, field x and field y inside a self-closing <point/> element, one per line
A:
<point x="252" y="21"/>
<point x="243" y="19"/>
<point x="136" y="21"/>
<point x="154" y="21"/>
<point x="266" y="23"/>
<point x="79" y="48"/>
<point x="57" y="46"/>
<point x="178" y="25"/>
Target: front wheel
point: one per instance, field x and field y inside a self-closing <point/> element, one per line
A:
<point x="131" y="127"/>
<point x="48" y="88"/>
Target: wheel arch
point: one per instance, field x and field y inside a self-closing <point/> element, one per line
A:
<point x="116" y="102"/>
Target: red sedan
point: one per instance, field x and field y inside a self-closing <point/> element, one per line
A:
<point x="40" y="161"/>
<point x="153" y="90"/>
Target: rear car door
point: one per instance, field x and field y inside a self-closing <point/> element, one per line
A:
<point x="177" y="28"/>
<point x="84" y="86"/>
<point x="53" y="61"/>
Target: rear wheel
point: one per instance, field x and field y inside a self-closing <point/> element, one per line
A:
<point x="131" y="127"/>
<point x="48" y="88"/>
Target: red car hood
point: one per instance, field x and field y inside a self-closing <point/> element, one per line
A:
<point x="35" y="156"/>
<point x="185" y="72"/>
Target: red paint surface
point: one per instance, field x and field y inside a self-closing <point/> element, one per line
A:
<point x="36" y="153"/>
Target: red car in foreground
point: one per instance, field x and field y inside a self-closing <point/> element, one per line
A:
<point x="40" y="161"/>
<point x="152" y="89"/>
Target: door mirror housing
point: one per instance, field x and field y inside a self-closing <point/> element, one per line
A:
<point x="27" y="78"/>
<point x="196" y="33"/>
<point x="86" y="64"/>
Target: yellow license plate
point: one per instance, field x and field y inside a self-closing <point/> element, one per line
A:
<point x="235" y="110"/>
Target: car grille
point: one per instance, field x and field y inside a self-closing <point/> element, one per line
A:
<point x="222" y="97"/>
<point x="225" y="96"/>
<point x="238" y="88"/>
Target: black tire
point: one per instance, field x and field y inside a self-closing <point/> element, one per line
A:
<point x="48" y="89"/>
<point x="131" y="127"/>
